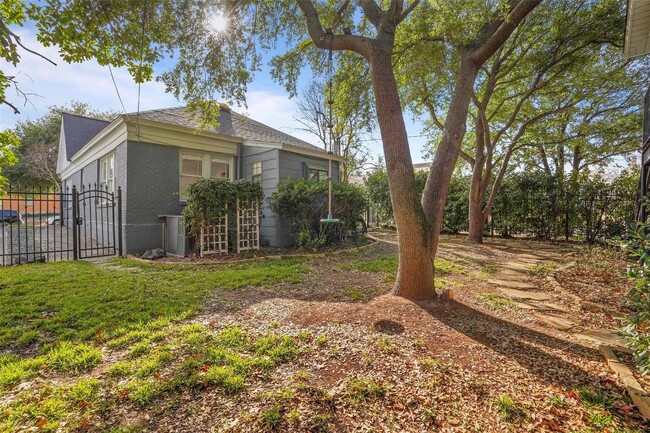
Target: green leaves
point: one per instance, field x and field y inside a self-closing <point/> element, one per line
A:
<point x="210" y="199"/>
<point x="304" y="202"/>
<point x="9" y="142"/>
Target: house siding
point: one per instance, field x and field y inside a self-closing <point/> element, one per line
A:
<point x="152" y="185"/>
<point x="291" y="165"/>
<point x="269" y="222"/>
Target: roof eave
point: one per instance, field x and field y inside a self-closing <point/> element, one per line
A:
<point x="131" y="122"/>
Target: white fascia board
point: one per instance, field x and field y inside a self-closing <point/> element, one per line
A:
<point x="62" y="157"/>
<point x="293" y="149"/>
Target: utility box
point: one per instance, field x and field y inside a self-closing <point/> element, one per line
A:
<point x="175" y="239"/>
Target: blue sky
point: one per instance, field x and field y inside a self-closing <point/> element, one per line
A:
<point x="89" y="82"/>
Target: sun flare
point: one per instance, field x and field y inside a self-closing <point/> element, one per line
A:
<point x="219" y="22"/>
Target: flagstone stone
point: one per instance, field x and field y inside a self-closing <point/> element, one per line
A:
<point x="521" y="294"/>
<point x="522" y="285"/>
<point x="561" y="323"/>
<point x="603" y="336"/>
<point x="517" y="266"/>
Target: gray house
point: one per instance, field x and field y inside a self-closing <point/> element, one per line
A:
<point x="156" y="155"/>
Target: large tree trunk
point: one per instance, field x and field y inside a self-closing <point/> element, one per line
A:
<point x="415" y="273"/>
<point x="478" y="185"/>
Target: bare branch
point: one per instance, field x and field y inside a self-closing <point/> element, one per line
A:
<point x="467" y="157"/>
<point x="16" y="39"/>
<point x="409" y="9"/>
<point x="373" y="12"/>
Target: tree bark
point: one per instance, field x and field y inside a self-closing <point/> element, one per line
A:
<point x="415" y="272"/>
<point x="476" y="219"/>
<point x="442" y="167"/>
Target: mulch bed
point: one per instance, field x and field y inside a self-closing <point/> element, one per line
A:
<point x="445" y="366"/>
<point x="195" y="258"/>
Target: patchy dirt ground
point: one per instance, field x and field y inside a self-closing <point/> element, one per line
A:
<point x="367" y="361"/>
<point x="465" y="365"/>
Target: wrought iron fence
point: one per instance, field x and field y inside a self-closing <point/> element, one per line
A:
<point x="41" y="224"/>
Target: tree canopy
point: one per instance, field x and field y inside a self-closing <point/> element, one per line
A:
<point x="39" y="144"/>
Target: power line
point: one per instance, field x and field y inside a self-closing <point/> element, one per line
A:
<point x="116" y="89"/>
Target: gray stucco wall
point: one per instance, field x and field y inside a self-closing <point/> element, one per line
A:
<point x="152" y="190"/>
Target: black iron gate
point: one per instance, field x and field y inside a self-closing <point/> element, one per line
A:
<point x="42" y="224"/>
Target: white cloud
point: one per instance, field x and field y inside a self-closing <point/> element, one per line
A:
<point x="46" y="85"/>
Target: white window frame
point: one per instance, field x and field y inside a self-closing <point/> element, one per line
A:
<point x="206" y="166"/>
<point x="322" y="173"/>
<point x="257" y="169"/>
<point x="106" y="176"/>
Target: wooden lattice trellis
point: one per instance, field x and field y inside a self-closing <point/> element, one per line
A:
<point x="248" y="225"/>
<point x="214" y="238"/>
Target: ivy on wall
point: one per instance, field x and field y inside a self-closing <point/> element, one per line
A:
<point x="209" y="199"/>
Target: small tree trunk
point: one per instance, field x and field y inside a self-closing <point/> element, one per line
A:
<point x="415" y="273"/>
<point x="476" y="221"/>
<point x="442" y="168"/>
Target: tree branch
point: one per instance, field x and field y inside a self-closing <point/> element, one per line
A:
<point x="356" y="43"/>
<point x="467" y="157"/>
<point x="497" y="37"/>
<point x="371" y="9"/>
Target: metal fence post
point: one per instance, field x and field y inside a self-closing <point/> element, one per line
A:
<point x="73" y="225"/>
<point x="119" y="219"/>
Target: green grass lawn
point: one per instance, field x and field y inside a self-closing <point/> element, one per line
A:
<point x="63" y="318"/>
<point x="81" y="301"/>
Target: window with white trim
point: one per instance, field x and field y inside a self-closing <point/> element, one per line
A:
<point x="107" y="173"/>
<point x="197" y="165"/>
<point x="317" y="174"/>
<point x="257" y="171"/>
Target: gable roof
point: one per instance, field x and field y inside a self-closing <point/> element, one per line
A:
<point x="78" y="130"/>
<point x="231" y="124"/>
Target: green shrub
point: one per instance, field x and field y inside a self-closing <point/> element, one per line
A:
<point x="208" y="199"/>
<point x="456" y="208"/>
<point x="636" y="329"/>
<point x="586" y="206"/>
<point x="303" y="203"/>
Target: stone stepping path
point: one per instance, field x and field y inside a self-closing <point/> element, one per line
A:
<point x="512" y="283"/>
<point x="557" y="322"/>
<point x="522" y="294"/>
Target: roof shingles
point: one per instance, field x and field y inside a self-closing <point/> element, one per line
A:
<point x="79" y="130"/>
<point x="231" y="124"/>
